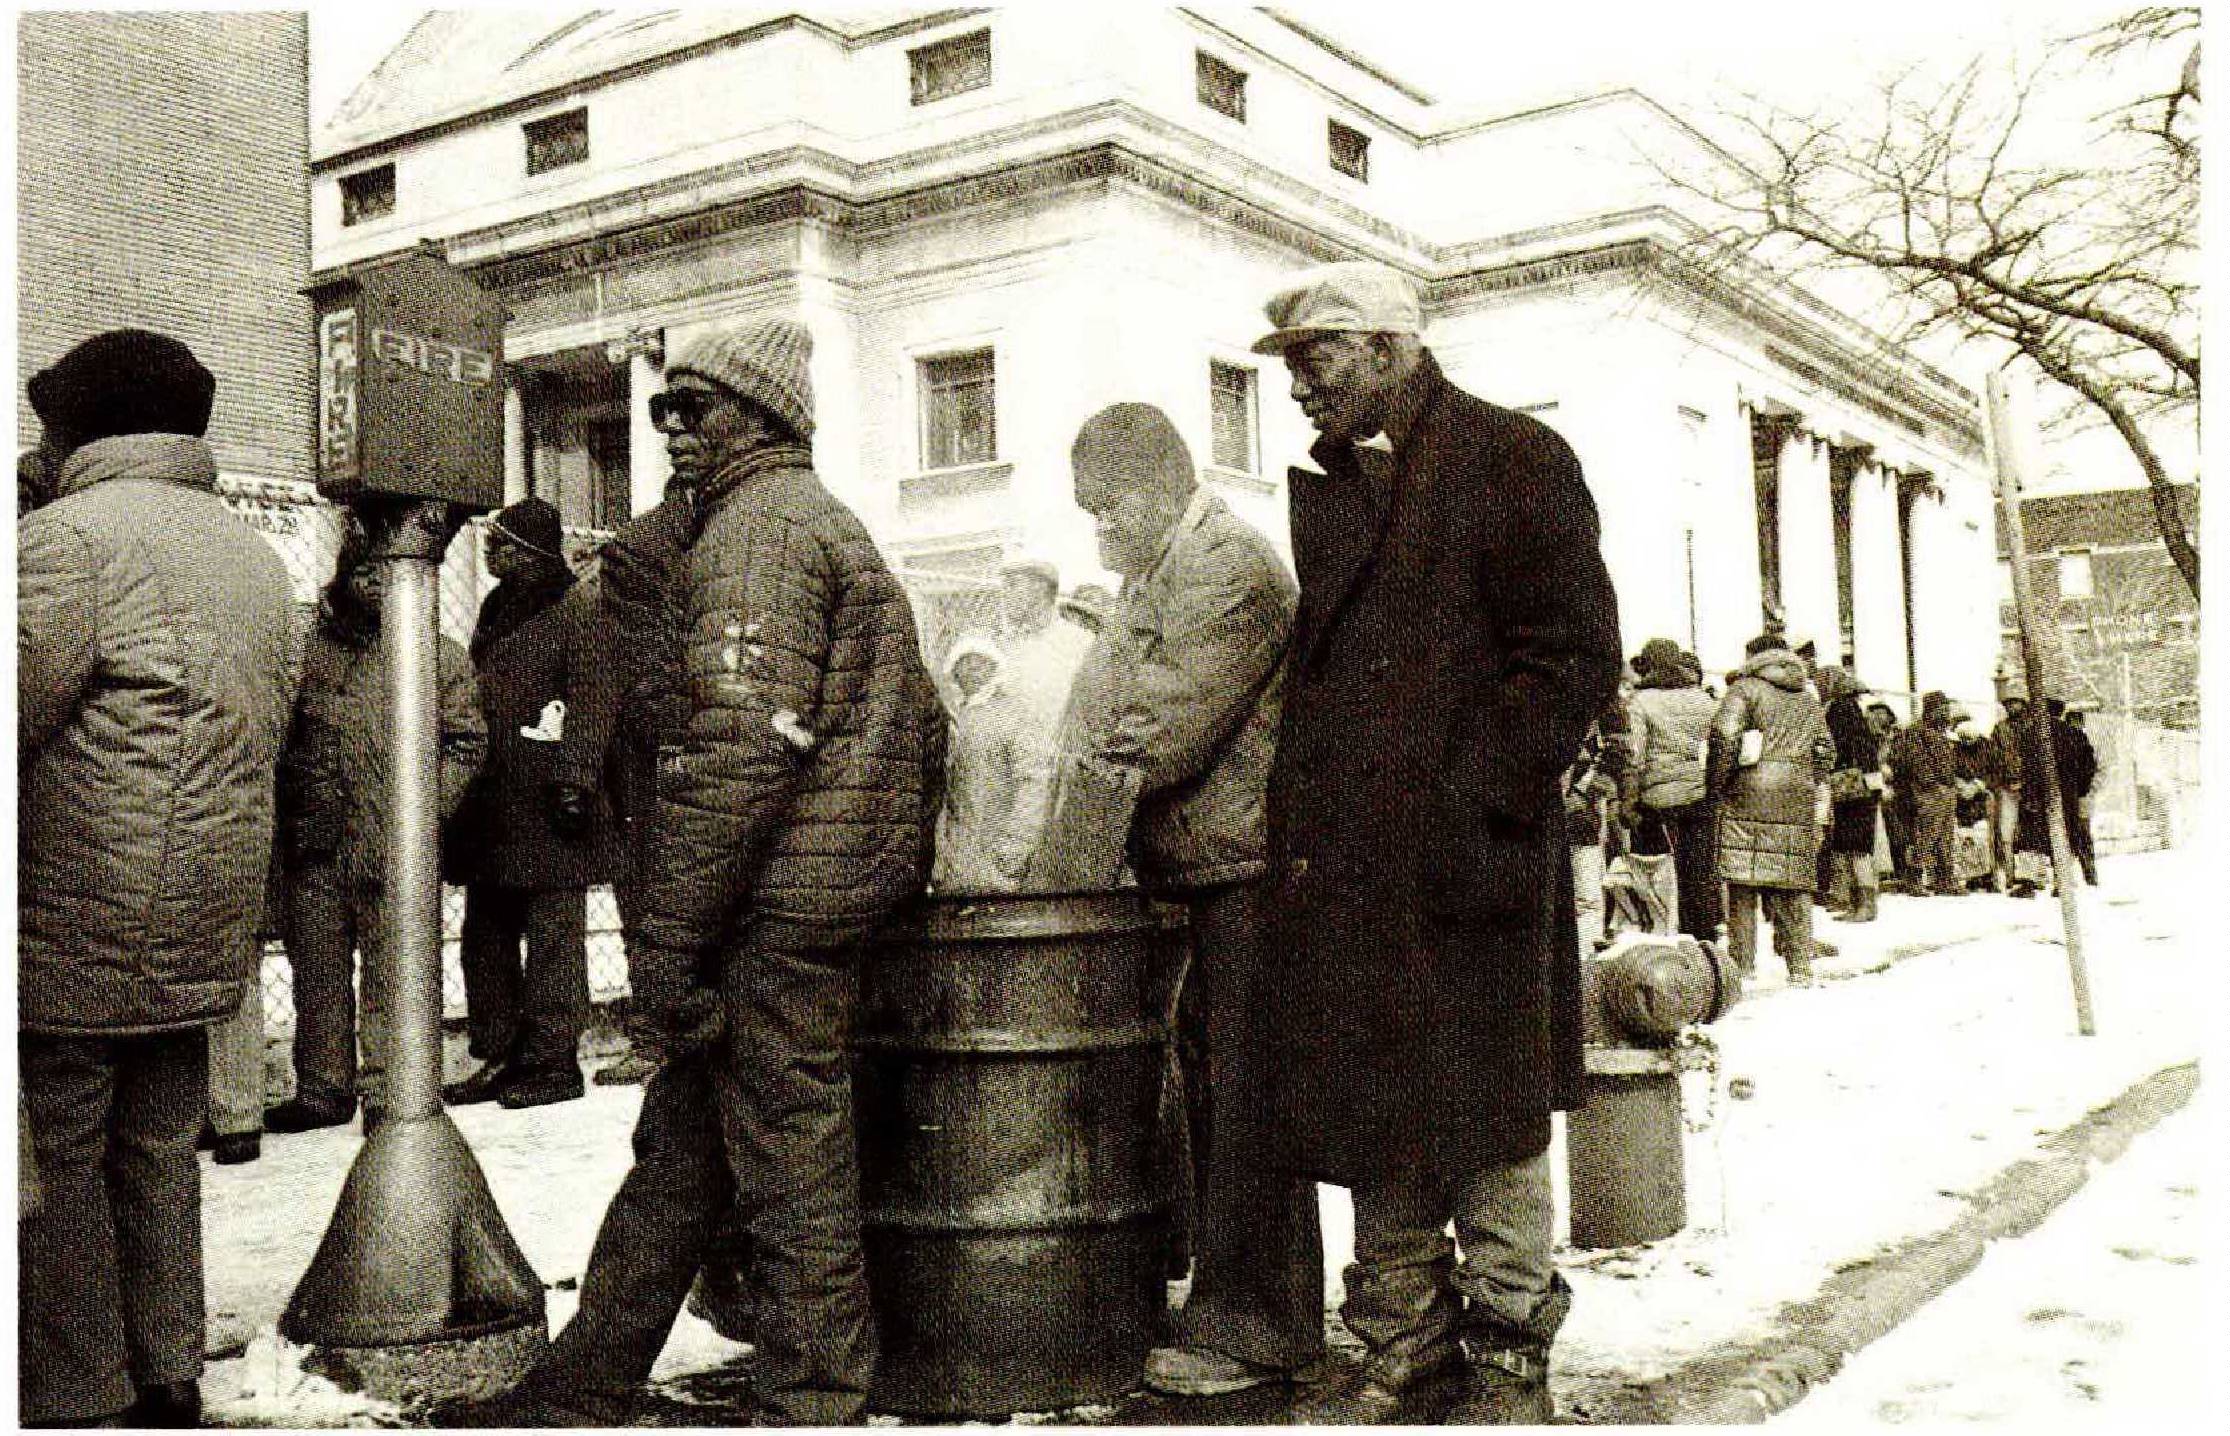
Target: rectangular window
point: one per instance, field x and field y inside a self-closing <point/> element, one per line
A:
<point x="368" y="195"/>
<point x="951" y="67"/>
<point x="2075" y="573"/>
<point x="959" y="410"/>
<point x="1220" y="87"/>
<point x="556" y="142"/>
<point x="1232" y="413"/>
<point x="1351" y="151"/>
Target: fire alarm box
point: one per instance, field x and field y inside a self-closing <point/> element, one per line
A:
<point x="409" y="383"/>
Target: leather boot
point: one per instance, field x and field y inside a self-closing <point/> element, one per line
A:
<point x="170" y="1406"/>
<point x="485" y="1085"/>
<point x="1386" y="1391"/>
<point x="1506" y="1366"/>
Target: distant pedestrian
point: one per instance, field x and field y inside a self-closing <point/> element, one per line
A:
<point x="1854" y="786"/>
<point x="1770" y="750"/>
<point x="151" y="693"/>
<point x="995" y="798"/>
<point x="1591" y="787"/>
<point x="535" y="831"/>
<point x="2005" y="789"/>
<point x="2078" y="762"/>
<point x="1924" y="770"/>
<point x="332" y="835"/>
<point x="1667" y="807"/>
<point x="2076" y="765"/>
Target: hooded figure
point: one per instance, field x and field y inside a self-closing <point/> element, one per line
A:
<point x="1924" y="767"/>
<point x="1666" y="805"/>
<point x="1768" y="836"/>
<point x="994" y="784"/>
<point x="1854" y="886"/>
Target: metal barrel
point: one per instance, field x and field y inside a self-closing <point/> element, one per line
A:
<point x="1009" y="1067"/>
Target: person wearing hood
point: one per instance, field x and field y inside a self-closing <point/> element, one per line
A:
<point x="994" y="784"/>
<point x="151" y="700"/>
<point x="535" y="833"/>
<point x="1666" y="806"/>
<point x="332" y="800"/>
<point x="1855" y="785"/>
<point x="1767" y="787"/>
<point x="1923" y="767"/>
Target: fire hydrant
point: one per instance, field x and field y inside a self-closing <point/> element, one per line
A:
<point x="1623" y="1153"/>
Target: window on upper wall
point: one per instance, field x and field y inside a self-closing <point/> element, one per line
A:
<point x="2075" y="573"/>
<point x="1221" y="87"/>
<point x="368" y="195"/>
<point x="951" y="67"/>
<point x="556" y="142"/>
<point x="1350" y="150"/>
<point x="1231" y="409"/>
<point x="959" y="410"/>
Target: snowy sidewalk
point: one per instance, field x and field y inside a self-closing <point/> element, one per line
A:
<point x="1882" y="1097"/>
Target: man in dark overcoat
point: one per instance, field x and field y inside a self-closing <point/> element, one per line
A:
<point x="1457" y="632"/>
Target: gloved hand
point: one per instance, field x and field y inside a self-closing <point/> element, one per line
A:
<point x="670" y="1016"/>
<point x="571" y="810"/>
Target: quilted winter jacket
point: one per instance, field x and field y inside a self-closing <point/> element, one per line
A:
<point x="1199" y="714"/>
<point x="152" y="686"/>
<point x="636" y="587"/>
<point x="804" y="790"/>
<point x="1668" y="729"/>
<point x="1769" y="834"/>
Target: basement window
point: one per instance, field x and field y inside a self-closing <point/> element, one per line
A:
<point x="368" y="195"/>
<point x="556" y="142"/>
<point x="1350" y="151"/>
<point x="1221" y="87"/>
<point x="951" y="67"/>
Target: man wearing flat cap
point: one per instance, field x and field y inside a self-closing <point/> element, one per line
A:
<point x="1193" y="708"/>
<point x="792" y="815"/>
<point x="152" y="696"/>
<point x="1457" y="632"/>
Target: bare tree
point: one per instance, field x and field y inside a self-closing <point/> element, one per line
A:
<point x="2076" y="251"/>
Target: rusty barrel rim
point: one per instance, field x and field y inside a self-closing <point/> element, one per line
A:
<point x="978" y="917"/>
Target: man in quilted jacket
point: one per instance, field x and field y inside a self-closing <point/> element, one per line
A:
<point x="794" y="813"/>
<point x="152" y="693"/>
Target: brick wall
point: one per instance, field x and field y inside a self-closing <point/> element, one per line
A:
<point x="162" y="182"/>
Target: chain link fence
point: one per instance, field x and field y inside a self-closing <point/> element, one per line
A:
<point x="306" y="534"/>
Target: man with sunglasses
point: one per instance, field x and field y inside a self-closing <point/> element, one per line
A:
<point x="791" y="817"/>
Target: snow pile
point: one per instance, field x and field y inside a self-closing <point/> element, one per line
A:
<point x="277" y="1388"/>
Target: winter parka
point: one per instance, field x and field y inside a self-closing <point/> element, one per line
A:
<point x="639" y="603"/>
<point x="1768" y="834"/>
<point x="552" y="656"/>
<point x="151" y="683"/>
<point x="805" y="786"/>
<point x="1668" y="725"/>
<point x="1198" y="714"/>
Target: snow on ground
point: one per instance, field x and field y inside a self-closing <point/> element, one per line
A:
<point x="1879" y="1099"/>
<point x="2090" y="1322"/>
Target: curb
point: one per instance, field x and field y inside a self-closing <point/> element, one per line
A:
<point x="1864" y="1300"/>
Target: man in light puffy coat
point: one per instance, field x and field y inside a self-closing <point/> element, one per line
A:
<point x="793" y="815"/>
<point x="1209" y="610"/>
<point x="152" y="697"/>
<point x="1769" y="833"/>
<point x="1667" y="806"/>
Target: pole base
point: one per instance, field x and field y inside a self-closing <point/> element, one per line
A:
<point x="417" y="1256"/>
<point x="475" y="1368"/>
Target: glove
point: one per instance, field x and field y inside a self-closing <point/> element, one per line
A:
<point x="667" y="1032"/>
<point x="570" y="810"/>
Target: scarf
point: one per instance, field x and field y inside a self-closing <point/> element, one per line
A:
<point x="515" y="602"/>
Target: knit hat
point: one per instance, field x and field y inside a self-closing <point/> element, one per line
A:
<point x="532" y="524"/>
<point x="1130" y="446"/>
<point x="765" y="362"/>
<point x="1658" y="656"/>
<point x="126" y="381"/>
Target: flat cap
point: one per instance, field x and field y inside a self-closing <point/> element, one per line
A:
<point x="1352" y="297"/>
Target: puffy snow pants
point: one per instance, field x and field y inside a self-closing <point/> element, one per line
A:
<point x="761" y="1124"/>
<point x="109" y="1293"/>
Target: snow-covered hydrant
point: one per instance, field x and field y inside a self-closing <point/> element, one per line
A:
<point x="1622" y="1151"/>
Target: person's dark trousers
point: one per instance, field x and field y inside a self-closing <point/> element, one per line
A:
<point x="763" y="1123"/>
<point x="332" y="915"/>
<point x="109" y="1293"/>
<point x="2079" y="839"/>
<point x="1258" y="1256"/>
<point x="529" y="1015"/>
<point x="1790" y="912"/>
<point x="1691" y="833"/>
<point x="1935" y="829"/>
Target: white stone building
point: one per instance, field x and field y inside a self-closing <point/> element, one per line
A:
<point x="995" y="222"/>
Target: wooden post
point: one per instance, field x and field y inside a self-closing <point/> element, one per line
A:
<point x="2012" y="433"/>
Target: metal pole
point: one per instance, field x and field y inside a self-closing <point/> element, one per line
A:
<point x="2011" y="432"/>
<point x="413" y="927"/>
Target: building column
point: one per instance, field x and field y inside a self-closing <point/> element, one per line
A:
<point x="1877" y="579"/>
<point x="518" y="456"/>
<point x="1808" y="590"/>
<point x="647" y="465"/>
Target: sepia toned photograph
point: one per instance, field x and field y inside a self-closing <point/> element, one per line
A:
<point x="1112" y="714"/>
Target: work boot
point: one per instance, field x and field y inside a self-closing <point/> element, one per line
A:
<point x="308" y="1111"/>
<point x="541" y="1089"/>
<point x="1386" y="1391"/>
<point x="486" y="1085"/>
<point x="1188" y="1370"/>
<point x="1504" y="1385"/>
<point x="1868" y="907"/>
<point x="231" y="1149"/>
<point x="168" y="1406"/>
<point x="535" y="1405"/>
<point x="632" y="1069"/>
<point x="717" y="1298"/>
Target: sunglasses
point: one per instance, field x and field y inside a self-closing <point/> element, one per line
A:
<point x="686" y="407"/>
